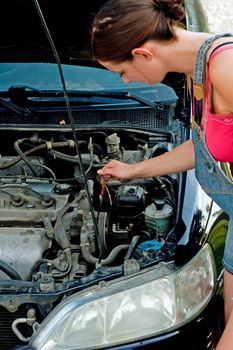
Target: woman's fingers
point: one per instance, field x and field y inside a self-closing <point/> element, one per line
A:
<point x="114" y="169"/>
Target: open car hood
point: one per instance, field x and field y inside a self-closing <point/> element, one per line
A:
<point x="24" y="38"/>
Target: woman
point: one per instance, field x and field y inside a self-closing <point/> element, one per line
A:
<point x="143" y="41"/>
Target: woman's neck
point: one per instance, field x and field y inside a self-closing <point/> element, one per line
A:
<point x="179" y="55"/>
<point x="186" y="48"/>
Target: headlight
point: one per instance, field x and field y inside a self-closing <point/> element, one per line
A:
<point x="148" y="308"/>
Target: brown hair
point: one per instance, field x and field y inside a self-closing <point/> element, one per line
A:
<point x="122" y="25"/>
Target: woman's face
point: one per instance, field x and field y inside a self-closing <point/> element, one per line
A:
<point x="140" y="69"/>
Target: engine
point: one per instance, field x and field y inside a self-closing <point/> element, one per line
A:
<point x="58" y="225"/>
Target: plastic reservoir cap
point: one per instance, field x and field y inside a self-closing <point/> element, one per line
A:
<point x="150" y="246"/>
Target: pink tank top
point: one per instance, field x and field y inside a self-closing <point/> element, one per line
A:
<point x="218" y="127"/>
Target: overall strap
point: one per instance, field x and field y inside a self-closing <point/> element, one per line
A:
<point x="199" y="73"/>
<point x="198" y="82"/>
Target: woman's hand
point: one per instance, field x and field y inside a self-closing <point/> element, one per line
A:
<point x="117" y="170"/>
<point x="177" y="160"/>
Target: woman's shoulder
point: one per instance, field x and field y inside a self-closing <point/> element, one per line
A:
<point x="219" y="42"/>
<point x="220" y="64"/>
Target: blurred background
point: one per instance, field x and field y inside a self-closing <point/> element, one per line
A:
<point x="220" y="15"/>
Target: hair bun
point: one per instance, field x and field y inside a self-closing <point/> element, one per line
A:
<point x="171" y="8"/>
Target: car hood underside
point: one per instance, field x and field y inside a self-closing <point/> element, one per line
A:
<point x="68" y="21"/>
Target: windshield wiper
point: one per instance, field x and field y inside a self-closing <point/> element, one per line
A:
<point x="118" y="94"/>
<point x="15" y="108"/>
<point x="125" y="94"/>
<point x="24" y="89"/>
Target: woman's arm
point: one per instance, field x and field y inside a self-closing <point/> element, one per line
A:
<point x="179" y="159"/>
<point x="226" y="341"/>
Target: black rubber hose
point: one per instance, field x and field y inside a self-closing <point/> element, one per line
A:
<point x="132" y="247"/>
<point x="6" y="165"/>
<point x="9" y="284"/>
<point x="24" y="158"/>
<point x="9" y="271"/>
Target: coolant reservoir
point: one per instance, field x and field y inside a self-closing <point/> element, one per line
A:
<point x="158" y="217"/>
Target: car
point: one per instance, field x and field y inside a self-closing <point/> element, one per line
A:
<point x="86" y="264"/>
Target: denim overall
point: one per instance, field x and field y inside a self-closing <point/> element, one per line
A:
<point x="208" y="172"/>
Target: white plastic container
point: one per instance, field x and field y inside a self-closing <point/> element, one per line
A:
<point x="158" y="217"/>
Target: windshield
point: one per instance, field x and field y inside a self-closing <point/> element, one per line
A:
<point x="44" y="76"/>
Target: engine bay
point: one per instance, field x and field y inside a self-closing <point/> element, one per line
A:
<point x="55" y="226"/>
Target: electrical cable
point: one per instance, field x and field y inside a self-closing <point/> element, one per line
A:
<point x="70" y="118"/>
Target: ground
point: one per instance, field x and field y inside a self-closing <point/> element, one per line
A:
<point x="220" y="14"/>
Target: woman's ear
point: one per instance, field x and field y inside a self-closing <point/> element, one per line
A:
<point x="143" y="52"/>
